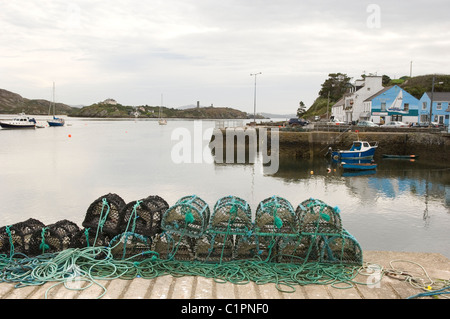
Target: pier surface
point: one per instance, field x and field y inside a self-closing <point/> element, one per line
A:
<point x="423" y="265"/>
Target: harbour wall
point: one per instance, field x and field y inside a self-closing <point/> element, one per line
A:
<point x="307" y="145"/>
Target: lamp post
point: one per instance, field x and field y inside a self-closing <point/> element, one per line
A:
<point x="431" y="102"/>
<point x="254" y="98"/>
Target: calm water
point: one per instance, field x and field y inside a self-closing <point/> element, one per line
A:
<point x="55" y="173"/>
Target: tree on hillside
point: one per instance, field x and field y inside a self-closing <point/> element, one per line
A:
<point x="301" y="109"/>
<point x="336" y="85"/>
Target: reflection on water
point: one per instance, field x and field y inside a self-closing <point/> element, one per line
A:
<point x="50" y="176"/>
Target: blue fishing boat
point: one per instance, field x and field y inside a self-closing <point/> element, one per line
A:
<point x="359" y="150"/>
<point x="359" y="166"/>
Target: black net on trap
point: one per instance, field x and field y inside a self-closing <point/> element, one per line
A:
<point x="275" y="215"/>
<point x="340" y="249"/>
<point x="16" y="238"/>
<point x="173" y="246"/>
<point x="159" y="206"/>
<point x="144" y="216"/>
<point x="316" y="217"/>
<point x="104" y="213"/>
<point x="88" y="237"/>
<point x="130" y="245"/>
<point x="214" y="248"/>
<point x="54" y="238"/>
<point x="189" y="216"/>
<point x="231" y="214"/>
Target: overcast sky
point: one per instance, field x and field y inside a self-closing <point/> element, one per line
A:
<point x="205" y="50"/>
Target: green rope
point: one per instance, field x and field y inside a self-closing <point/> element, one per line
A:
<point x="43" y="246"/>
<point x="11" y="242"/>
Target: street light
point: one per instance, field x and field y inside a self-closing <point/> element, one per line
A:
<point x="254" y="98"/>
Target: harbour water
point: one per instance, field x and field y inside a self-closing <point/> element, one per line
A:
<point x="52" y="174"/>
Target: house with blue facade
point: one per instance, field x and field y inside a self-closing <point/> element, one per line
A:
<point x="392" y="104"/>
<point x="440" y="111"/>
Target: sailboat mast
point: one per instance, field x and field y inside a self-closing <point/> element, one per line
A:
<point x="53" y="98"/>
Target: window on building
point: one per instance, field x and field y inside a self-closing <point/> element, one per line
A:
<point x="383" y="106"/>
<point x="439" y="106"/>
<point x="396" y="118"/>
<point x="424" y="105"/>
<point x="406" y="107"/>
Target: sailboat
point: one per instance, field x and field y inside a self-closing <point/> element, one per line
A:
<point x="161" y="121"/>
<point x="56" y="121"/>
<point x="397" y="105"/>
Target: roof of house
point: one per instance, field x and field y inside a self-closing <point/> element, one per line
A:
<point x="440" y="96"/>
<point x="340" y="102"/>
<point x="378" y="93"/>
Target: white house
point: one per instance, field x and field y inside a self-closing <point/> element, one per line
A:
<point x="352" y="108"/>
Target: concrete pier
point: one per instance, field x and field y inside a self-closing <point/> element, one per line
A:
<point x="392" y="286"/>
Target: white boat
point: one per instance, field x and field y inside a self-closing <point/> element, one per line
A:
<point x="21" y="121"/>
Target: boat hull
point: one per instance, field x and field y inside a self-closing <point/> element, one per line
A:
<point x="17" y="126"/>
<point x="56" y="122"/>
<point x="342" y="155"/>
<point x="400" y="156"/>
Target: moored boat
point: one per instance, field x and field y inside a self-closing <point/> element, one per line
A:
<point x="55" y="121"/>
<point x="400" y="156"/>
<point x="21" y="121"/>
<point x="359" y="150"/>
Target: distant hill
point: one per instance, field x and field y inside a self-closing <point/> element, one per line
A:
<point x="13" y="103"/>
<point x="105" y="110"/>
<point x="418" y="85"/>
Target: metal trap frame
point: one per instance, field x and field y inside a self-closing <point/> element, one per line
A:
<point x="173" y="246"/>
<point x="105" y="213"/>
<point x="231" y="214"/>
<point x="275" y="215"/>
<point x="16" y="238"/>
<point x="214" y="248"/>
<point x="189" y="216"/>
<point x="340" y="249"/>
<point x="54" y="238"/>
<point x="316" y="217"/>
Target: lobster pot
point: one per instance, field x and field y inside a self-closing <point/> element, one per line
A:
<point x="54" y="238"/>
<point x="299" y="249"/>
<point x="214" y="248"/>
<point x="173" y="246"/>
<point x="91" y="238"/>
<point x="315" y="216"/>
<point x="19" y="236"/>
<point x="275" y="215"/>
<point x="130" y="245"/>
<point x="104" y="212"/>
<point x="141" y="217"/>
<point x="255" y="247"/>
<point x="340" y="249"/>
<point x="158" y="206"/>
<point x="231" y="214"/>
<point x="189" y="216"/>
<point x="246" y="247"/>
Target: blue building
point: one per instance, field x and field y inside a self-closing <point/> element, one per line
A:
<point x="392" y="104"/>
<point x="441" y="108"/>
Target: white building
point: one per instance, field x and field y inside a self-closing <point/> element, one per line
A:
<point x="352" y="107"/>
